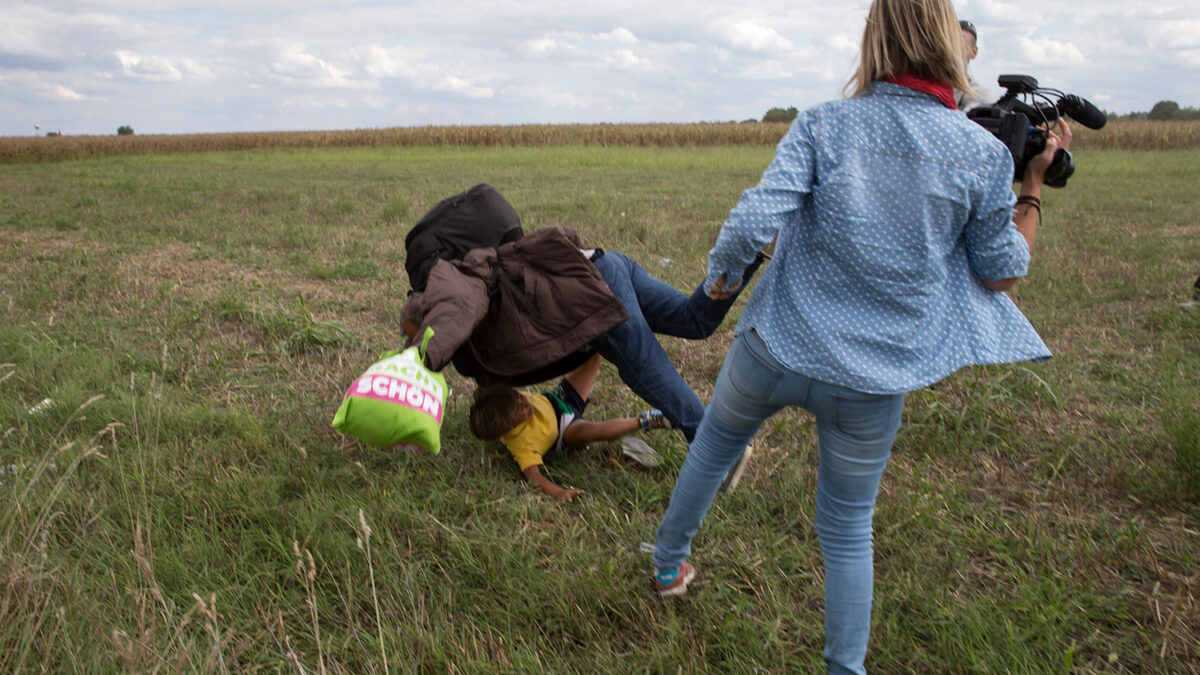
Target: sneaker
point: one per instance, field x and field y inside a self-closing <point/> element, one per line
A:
<point x="669" y="583"/>
<point x="653" y="419"/>
<point x="637" y="450"/>
<point x="735" y="473"/>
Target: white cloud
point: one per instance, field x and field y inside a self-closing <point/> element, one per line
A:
<point x="148" y="68"/>
<point x="620" y="35"/>
<point x="374" y="101"/>
<point x="1046" y="50"/>
<point x="553" y="45"/>
<point x="58" y="92"/>
<point x="768" y="70"/>
<point x="624" y="59"/>
<point x="842" y="44"/>
<point x="194" y="70"/>
<point x="458" y="85"/>
<point x="378" y="62"/>
<point x="291" y="64"/>
<point x="547" y="98"/>
<point x="313" y="102"/>
<point x="751" y="36"/>
<point x="407" y="66"/>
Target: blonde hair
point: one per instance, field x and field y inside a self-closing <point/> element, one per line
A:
<point x="921" y="38"/>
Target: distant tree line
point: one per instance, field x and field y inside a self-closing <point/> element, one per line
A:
<point x="1162" y="111"/>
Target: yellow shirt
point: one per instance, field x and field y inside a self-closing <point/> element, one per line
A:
<point x="531" y="439"/>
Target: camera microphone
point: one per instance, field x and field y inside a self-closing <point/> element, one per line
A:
<point x="1081" y="110"/>
<point x="1016" y="119"/>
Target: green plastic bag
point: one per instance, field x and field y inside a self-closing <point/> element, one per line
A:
<point x="396" y="401"/>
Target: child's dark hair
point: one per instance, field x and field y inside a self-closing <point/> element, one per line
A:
<point x="493" y="411"/>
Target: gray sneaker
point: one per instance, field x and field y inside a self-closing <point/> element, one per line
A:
<point x="735" y="473"/>
<point x="637" y="450"/>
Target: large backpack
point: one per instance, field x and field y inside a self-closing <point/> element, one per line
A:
<point x="476" y="218"/>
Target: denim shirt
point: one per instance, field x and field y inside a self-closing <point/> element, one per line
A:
<point x="889" y="209"/>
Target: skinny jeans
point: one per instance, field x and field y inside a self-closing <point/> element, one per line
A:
<point x="855" y="432"/>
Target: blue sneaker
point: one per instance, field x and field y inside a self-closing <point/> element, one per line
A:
<point x="653" y="419"/>
<point x="669" y="583"/>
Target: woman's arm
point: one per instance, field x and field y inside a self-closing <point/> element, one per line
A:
<point x="1028" y="215"/>
<point x="762" y="210"/>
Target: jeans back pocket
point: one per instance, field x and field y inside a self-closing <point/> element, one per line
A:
<point x="752" y="371"/>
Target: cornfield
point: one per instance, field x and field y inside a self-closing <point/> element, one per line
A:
<point x="1118" y="135"/>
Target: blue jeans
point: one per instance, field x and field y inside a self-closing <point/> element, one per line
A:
<point x="655" y="306"/>
<point x="855" y="432"/>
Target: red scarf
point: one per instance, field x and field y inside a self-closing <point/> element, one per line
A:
<point x="943" y="92"/>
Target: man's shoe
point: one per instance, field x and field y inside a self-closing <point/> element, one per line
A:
<point x="668" y="583"/>
<point x="637" y="450"/>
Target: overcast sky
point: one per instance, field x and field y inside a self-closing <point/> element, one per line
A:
<point x="191" y="66"/>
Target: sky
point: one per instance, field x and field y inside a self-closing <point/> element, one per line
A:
<point x="203" y="66"/>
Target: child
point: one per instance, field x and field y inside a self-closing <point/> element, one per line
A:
<point x="530" y="424"/>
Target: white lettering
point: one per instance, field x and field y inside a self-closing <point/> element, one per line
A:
<point x="431" y="406"/>
<point x="379" y="387"/>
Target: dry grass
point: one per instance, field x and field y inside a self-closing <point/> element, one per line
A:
<point x="1121" y="134"/>
<point x="16" y="149"/>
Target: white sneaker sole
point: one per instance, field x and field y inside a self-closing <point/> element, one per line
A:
<point x="680" y="589"/>
<point x="735" y="474"/>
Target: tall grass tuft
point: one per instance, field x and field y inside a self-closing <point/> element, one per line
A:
<point x="364" y="542"/>
<point x="314" y="335"/>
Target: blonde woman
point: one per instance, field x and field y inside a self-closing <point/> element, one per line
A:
<point x="897" y="238"/>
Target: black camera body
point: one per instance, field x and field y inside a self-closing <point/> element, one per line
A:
<point x="1012" y="118"/>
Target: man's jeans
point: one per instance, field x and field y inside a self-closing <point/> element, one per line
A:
<point x="855" y="432"/>
<point x="655" y="306"/>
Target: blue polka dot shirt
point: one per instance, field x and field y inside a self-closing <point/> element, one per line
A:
<point x="889" y="209"/>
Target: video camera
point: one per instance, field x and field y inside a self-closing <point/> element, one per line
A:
<point x="1012" y="119"/>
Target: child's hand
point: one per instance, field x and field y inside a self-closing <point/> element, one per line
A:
<point x="567" y="495"/>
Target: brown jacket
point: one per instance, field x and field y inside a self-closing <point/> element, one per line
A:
<point x="527" y="307"/>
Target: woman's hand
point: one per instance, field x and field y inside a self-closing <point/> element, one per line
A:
<point x="1036" y="169"/>
<point x="718" y="291"/>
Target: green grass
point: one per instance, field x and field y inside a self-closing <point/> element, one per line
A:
<point x="183" y="504"/>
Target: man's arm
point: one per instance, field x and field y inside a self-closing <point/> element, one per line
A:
<point x="455" y="303"/>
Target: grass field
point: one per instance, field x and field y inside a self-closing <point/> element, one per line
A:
<point x="179" y="328"/>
